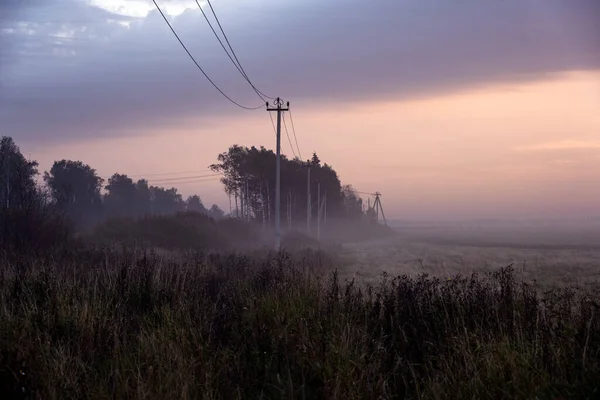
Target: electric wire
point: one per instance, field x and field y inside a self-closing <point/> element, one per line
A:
<point x="186" y="182"/>
<point x="143" y="176"/>
<point x="238" y="66"/>
<point x="186" y="178"/>
<point x="166" y="173"/>
<point x="198" y="65"/>
<point x="288" y="135"/>
<point x="294" y="131"/>
<point x="233" y="52"/>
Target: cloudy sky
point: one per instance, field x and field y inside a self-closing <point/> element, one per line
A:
<point x="450" y="108"/>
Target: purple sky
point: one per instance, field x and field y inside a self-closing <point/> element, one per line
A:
<point x="105" y="77"/>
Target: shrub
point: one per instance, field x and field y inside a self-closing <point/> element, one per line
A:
<point x="186" y="230"/>
<point x="33" y="228"/>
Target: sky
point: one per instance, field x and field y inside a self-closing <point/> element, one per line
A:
<point x="451" y="109"/>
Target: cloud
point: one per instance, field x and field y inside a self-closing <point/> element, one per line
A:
<point x="562" y="145"/>
<point x="73" y="70"/>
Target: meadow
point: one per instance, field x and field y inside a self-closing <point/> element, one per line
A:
<point x="92" y="320"/>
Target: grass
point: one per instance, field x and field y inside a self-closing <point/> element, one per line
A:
<point x="129" y="323"/>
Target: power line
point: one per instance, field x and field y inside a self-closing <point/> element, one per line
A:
<point x="294" y="131"/>
<point x="158" y="174"/>
<point x="186" y="177"/>
<point x="238" y="67"/>
<point x="166" y="173"/>
<point x="241" y="69"/>
<point x="198" y="65"/>
<point x="288" y="135"/>
<point x="186" y="182"/>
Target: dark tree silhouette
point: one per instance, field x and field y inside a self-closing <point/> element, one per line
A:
<point x="143" y="197"/>
<point x="166" y="201"/>
<point x="17" y="176"/>
<point x="315" y="161"/>
<point x="215" y="212"/>
<point x="194" y="203"/>
<point x="75" y="188"/>
<point x="28" y="222"/>
<point x="120" y="199"/>
<point x="249" y="177"/>
<point x="352" y="203"/>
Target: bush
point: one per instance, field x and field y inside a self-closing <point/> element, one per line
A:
<point x="131" y="324"/>
<point x="34" y="228"/>
<point x="186" y="230"/>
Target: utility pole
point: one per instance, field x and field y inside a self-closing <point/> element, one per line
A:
<point x="262" y="203"/>
<point x="325" y="209"/>
<point x="308" y="199"/>
<point x="7" y="183"/>
<point x="378" y="207"/>
<point x="290" y="210"/>
<point x="318" y="210"/>
<point x="278" y="106"/>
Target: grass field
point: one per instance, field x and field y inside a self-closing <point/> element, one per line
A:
<point x="554" y="266"/>
<point x="132" y="324"/>
<point x="126" y="322"/>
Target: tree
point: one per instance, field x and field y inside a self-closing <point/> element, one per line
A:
<point x="194" y="203"/>
<point x="27" y="222"/>
<point x="75" y="188"/>
<point x="215" y="212"/>
<point x="249" y="175"/>
<point x="120" y="199"/>
<point x="166" y="201"/>
<point x="17" y="176"/>
<point x="315" y="161"/>
<point x="352" y="202"/>
<point x="143" y="198"/>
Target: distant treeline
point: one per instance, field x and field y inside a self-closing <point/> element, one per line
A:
<point x="75" y="190"/>
<point x="249" y="180"/>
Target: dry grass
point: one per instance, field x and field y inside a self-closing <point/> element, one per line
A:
<point x="132" y="324"/>
<point x="366" y="261"/>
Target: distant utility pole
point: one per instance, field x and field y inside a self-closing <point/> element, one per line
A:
<point x="379" y="207"/>
<point x="289" y="209"/>
<point x="7" y="183"/>
<point x="278" y="106"/>
<point x="318" y="210"/>
<point x="308" y="199"/>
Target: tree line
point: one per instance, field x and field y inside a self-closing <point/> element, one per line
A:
<point x="75" y="190"/>
<point x="249" y="181"/>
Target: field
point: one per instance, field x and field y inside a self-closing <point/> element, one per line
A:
<point x="552" y="256"/>
<point x="126" y="321"/>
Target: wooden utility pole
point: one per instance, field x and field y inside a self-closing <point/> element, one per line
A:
<point x="325" y="209"/>
<point x="262" y="203"/>
<point x="318" y="210"/>
<point x="289" y="210"/>
<point x="378" y="207"/>
<point x="308" y="198"/>
<point x="278" y="105"/>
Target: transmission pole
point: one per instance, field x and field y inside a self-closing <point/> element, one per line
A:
<point x="318" y="210"/>
<point x="308" y="199"/>
<point x="378" y="207"/>
<point x="278" y="106"/>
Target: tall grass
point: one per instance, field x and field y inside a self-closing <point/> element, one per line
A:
<point x="132" y="324"/>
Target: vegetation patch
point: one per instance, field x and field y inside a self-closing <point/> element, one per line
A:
<point x="133" y="324"/>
